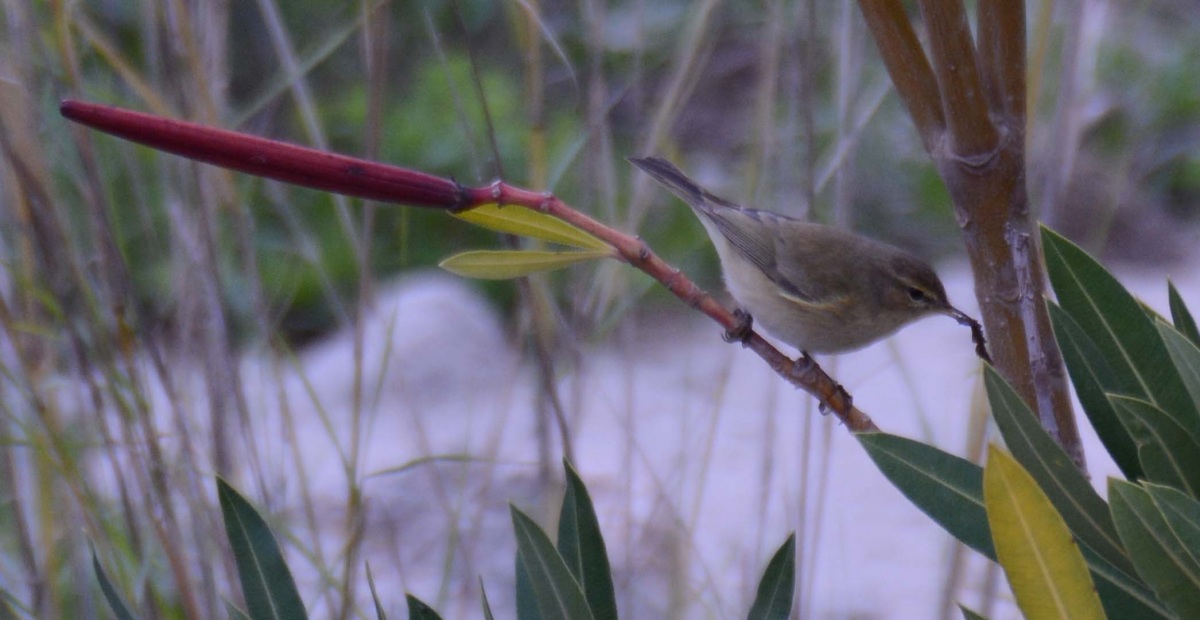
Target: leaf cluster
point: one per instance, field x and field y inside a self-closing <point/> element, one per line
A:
<point x="570" y="580"/>
<point x="1067" y="552"/>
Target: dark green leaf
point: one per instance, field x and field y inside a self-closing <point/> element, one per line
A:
<point x="1181" y="316"/>
<point x="1084" y="512"/>
<point x="1123" y="332"/>
<point x="234" y="612"/>
<point x="527" y="608"/>
<point x="1186" y="357"/>
<point x="1182" y="514"/>
<point x="559" y="596"/>
<point x="379" y="613"/>
<point x="582" y="547"/>
<point x="1169" y="455"/>
<point x="1094" y="380"/>
<point x="115" y="602"/>
<point x="947" y="488"/>
<point x="418" y="610"/>
<point x="267" y="584"/>
<point x="773" y="601"/>
<point x="969" y="614"/>
<point x="1122" y="594"/>
<point x="487" y="607"/>
<point x="1156" y="552"/>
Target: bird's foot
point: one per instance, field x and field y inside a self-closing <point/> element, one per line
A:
<point x="823" y="406"/>
<point x="742" y="331"/>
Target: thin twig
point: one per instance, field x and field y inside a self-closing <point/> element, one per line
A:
<point x="356" y="177"/>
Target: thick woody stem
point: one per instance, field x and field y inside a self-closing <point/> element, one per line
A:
<point x="973" y="135"/>
<point x="908" y="66"/>
<point x="969" y="107"/>
<point x="1002" y="55"/>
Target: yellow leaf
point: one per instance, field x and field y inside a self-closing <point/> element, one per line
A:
<point x="1040" y="557"/>
<point x="530" y="223"/>
<point x="505" y="264"/>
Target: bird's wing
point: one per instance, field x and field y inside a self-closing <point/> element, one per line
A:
<point x="752" y="233"/>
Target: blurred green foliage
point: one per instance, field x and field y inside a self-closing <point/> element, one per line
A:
<point x="433" y="120"/>
<point x="1136" y="105"/>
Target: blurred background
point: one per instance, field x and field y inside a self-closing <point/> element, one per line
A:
<point x="165" y="321"/>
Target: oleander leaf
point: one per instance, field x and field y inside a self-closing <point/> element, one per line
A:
<point x="582" y="547"/>
<point x="529" y="223"/>
<point x="1081" y="507"/>
<point x="1158" y="554"/>
<point x="1039" y="555"/>
<point x="508" y="264"/>
<point x="267" y="583"/>
<point x="559" y="596"/>
<point x="1121" y="329"/>
<point x="773" y="600"/>
<point x="1181" y="316"/>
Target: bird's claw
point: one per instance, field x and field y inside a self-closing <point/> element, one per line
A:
<point x="742" y="331"/>
<point x="823" y="405"/>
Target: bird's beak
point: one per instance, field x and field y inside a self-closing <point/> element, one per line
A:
<point x="976" y="331"/>
<point x="958" y="315"/>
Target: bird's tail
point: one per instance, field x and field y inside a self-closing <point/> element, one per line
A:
<point x="675" y="180"/>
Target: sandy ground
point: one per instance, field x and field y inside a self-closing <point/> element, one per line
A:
<point x="699" y="459"/>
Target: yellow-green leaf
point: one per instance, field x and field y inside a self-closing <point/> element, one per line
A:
<point x="505" y="264"/>
<point x="1044" y="565"/>
<point x="530" y="223"/>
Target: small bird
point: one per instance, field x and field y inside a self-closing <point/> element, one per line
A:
<point x="818" y="288"/>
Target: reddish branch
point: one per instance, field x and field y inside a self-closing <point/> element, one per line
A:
<point x="341" y="174"/>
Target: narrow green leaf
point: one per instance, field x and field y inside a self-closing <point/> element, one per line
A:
<point x="1124" y="595"/>
<point x="418" y="610"/>
<point x="267" y="584"/>
<point x="582" y="547"/>
<point x="422" y="461"/>
<point x="527" y="605"/>
<point x="234" y="612"/>
<point x="1186" y="356"/>
<point x="1115" y="321"/>
<point x="559" y="596"/>
<point x="773" y="601"/>
<point x="1182" y="514"/>
<point x="1156" y="552"/>
<point x="1043" y="564"/>
<point x="115" y="602"/>
<point x="1094" y="380"/>
<point x="487" y="607"/>
<point x="507" y="264"/>
<point x="947" y="488"/>
<point x="379" y="613"/>
<point x="969" y="614"/>
<point x="1080" y="505"/>
<point x="529" y="223"/>
<point x="6" y="609"/>
<point x="1181" y="316"/>
<point x="1169" y="455"/>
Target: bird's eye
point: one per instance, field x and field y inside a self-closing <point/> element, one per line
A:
<point x="916" y="294"/>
